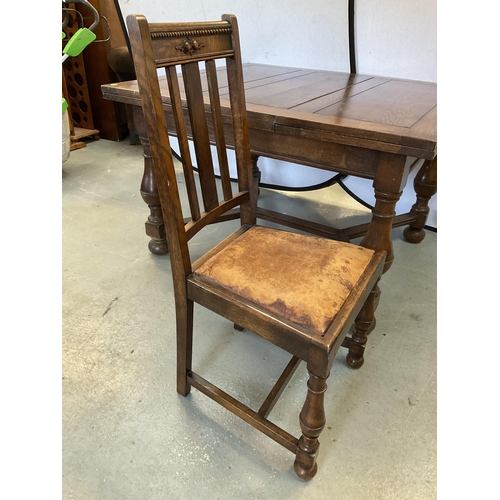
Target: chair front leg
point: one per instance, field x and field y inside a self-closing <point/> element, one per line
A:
<point x="312" y="421"/>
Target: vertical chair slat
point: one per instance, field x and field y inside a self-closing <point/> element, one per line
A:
<point x="213" y="90"/>
<point x="199" y="130"/>
<point x="176" y="102"/>
<point x="239" y="115"/>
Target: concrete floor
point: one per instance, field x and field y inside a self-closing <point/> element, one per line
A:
<point x="127" y="435"/>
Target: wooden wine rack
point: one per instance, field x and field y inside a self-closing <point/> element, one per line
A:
<point x="75" y="91"/>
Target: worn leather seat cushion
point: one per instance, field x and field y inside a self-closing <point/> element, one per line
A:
<point x="305" y="279"/>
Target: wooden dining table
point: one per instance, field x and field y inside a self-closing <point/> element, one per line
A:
<point x="359" y="125"/>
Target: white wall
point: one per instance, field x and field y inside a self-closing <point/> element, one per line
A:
<point x="397" y="38"/>
<point x="287" y="33"/>
<point x="394" y="37"/>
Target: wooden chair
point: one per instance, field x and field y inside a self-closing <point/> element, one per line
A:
<point x="300" y="292"/>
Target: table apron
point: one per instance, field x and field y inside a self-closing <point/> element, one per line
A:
<point x="315" y="153"/>
<point x="367" y="142"/>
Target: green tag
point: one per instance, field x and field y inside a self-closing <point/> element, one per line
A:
<point x="79" y="41"/>
<point x="64" y="105"/>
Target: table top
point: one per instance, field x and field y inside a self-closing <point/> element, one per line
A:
<point x="385" y="114"/>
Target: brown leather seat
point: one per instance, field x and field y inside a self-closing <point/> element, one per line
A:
<point x="307" y="284"/>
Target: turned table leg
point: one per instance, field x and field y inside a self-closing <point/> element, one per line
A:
<point x="425" y="185"/>
<point x="256" y="174"/>
<point x="155" y="228"/>
<point x="388" y="184"/>
<point x="255" y="168"/>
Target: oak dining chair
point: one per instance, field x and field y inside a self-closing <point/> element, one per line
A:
<point x="300" y="292"/>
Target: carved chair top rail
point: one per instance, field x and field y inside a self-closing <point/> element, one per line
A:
<point x="172" y="42"/>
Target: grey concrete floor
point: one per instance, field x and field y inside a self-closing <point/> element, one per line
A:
<point x="127" y="434"/>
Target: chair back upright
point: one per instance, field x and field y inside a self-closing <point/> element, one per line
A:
<point x="204" y="103"/>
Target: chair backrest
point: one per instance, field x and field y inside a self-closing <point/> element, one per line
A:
<point x="194" y="103"/>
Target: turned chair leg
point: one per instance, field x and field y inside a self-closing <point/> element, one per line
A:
<point x="363" y="325"/>
<point x="312" y="421"/>
<point x="184" y="346"/>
